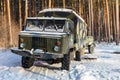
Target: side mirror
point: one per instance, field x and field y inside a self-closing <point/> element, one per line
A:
<point x="71" y="27"/>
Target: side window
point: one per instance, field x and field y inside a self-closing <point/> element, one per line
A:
<point x="71" y="26"/>
<point x="81" y="29"/>
<point x="84" y="31"/>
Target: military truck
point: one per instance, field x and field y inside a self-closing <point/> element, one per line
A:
<point x="55" y="35"/>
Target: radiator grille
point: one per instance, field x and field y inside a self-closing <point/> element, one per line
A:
<point x="39" y="43"/>
<point x="43" y="43"/>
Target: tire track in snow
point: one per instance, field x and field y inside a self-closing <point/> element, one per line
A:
<point x="3" y="71"/>
<point x="46" y="73"/>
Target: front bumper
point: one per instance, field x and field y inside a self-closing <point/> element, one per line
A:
<point x="38" y="54"/>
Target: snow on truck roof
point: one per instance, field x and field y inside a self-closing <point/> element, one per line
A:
<point x="62" y="10"/>
<point x="48" y="18"/>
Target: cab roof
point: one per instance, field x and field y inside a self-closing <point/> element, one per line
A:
<point x="48" y="18"/>
<point x="62" y="10"/>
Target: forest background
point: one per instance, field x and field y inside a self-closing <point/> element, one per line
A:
<point x="102" y="17"/>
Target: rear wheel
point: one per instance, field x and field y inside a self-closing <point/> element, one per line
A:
<point x="77" y="56"/>
<point x="90" y="48"/>
<point x="27" y="62"/>
<point x="66" y="62"/>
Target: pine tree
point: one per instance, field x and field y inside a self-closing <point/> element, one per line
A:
<point x="9" y="22"/>
<point x="20" y="16"/>
<point x="26" y="11"/>
<point x="50" y="2"/>
<point x="117" y="23"/>
<point x="64" y="3"/>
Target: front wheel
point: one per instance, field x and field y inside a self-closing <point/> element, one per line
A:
<point x="66" y="62"/>
<point x="27" y="62"/>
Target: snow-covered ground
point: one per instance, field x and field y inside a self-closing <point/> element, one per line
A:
<point x="106" y="66"/>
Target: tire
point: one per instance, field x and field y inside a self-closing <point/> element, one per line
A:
<point x="72" y="54"/>
<point x="66" y="62"/>
<point x="27" y="62"/>
<point x="77" y="56"/>
<point x="90" y="48"/>
<point x="51" y="61"/>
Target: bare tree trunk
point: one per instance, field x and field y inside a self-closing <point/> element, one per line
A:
<point x="33" y="8"/>
<point x="117" y="23"/>
<point x="92" y="23"/>
<point x="104" y="22"/>
<point x="89" y="29"/>
<point x="12" y="9"/>
<point x="99" y="21"/>
<point x="1" y="11"/>
<point x="1" y="6"/>
<point x="9" y="22"/>
<point x="81" y="7"/>
<point x="73" y="5"/>
<point x="64" y="3"/>
<point x="43" y="4"/>
<point x="76" y="1"/>
<point x="108" y="20"/>
<point x="111" y="20"/>
<point x="39" y="3"/>
<point x="50" y="3"/>
<point x="4" y="23"/>
<point x="30" y="8"/>
<point x="26" y="11"/>
<point x="46" y="5"/>
<point x="20" y="16"/>
<point x="77" y="6"/>
<point x="114" y="22"/>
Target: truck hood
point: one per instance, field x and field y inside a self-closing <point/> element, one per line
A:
<point x="42" y="34"/>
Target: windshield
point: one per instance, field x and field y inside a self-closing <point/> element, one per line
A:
<point x="45" y="25"/>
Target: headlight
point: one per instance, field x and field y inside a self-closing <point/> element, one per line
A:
<point x="56" y="48"/>
<point x="58" y="43"/>
<point x="21" y="40"/>
<point x="22" y="45"/>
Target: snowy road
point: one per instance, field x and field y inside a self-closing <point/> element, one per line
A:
<point x="105" y="67"/>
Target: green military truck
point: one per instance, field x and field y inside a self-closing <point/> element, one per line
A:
<point x="55" y="35"/>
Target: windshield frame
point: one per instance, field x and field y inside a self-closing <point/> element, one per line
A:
<point x="45" y="21"/>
